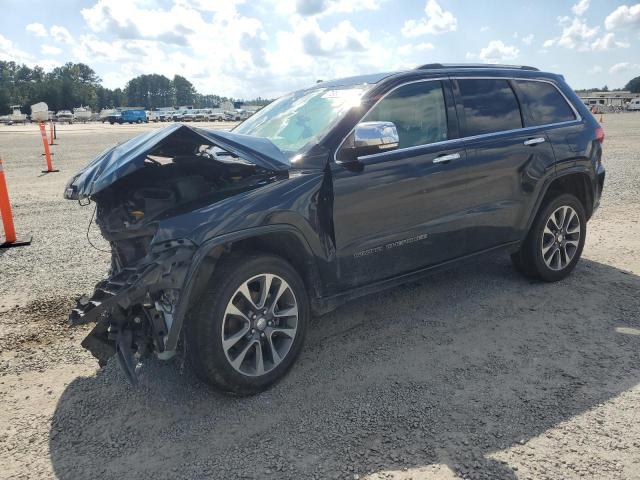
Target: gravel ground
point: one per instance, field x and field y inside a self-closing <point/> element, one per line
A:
<point x="474" y="373"/>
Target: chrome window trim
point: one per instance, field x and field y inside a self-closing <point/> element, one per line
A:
<point x="578" y="118"/>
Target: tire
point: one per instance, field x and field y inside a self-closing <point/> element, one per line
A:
<point x="550" y="253"/>
<point x="209" y="322"/>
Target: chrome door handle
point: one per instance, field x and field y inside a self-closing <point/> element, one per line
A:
<point x="534" y="141"/>
<point x="446" y="158"/>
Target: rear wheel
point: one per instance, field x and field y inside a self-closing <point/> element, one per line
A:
<point x="554" y="244"/>
<point x="250" y="324"/>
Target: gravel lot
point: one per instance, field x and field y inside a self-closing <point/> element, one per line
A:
<point x="474" y="373"/>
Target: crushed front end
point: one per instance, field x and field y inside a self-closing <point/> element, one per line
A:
<point x="136" y="186"/>
<point x="134" y="307"/>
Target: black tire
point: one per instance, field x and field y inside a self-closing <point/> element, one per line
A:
<point x="529" y="260"/>
<point x="204" y="326"/>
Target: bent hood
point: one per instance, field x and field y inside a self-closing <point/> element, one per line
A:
<point x="124" y="159"/>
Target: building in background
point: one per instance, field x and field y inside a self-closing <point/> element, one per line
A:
<point x="619" y="98"/>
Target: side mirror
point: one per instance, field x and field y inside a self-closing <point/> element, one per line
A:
<point x="369" y="138"/>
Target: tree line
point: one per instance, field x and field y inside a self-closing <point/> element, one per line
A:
<point x="75" y="84"/>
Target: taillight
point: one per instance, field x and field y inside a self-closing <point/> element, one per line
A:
<point x="600" y="134"/>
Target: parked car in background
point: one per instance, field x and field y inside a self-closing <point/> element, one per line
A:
<point x="65" y="116"/>
<point x="129" y="116"/>
<point x="165" y="115"/>
<point x="343" y="189"/>
<point x="189" y="116"/>
<point x="105" y="113"/>
<point x="82" y="114"/>
<point x="215" y="115"/>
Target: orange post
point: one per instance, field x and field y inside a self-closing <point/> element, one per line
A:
<point x="47" y="153"/>
<point x="10" y="238"/>
<point x="50" y="132"/>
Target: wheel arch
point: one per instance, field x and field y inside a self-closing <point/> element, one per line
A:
<point x="577" y="181"/>
<point x="285" y="241"/>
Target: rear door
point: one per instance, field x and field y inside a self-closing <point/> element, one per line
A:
<point x="545" y="106"/>
<point x="505" y="161"/>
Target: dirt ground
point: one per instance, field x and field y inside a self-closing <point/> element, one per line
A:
<point x="473" y="373"/>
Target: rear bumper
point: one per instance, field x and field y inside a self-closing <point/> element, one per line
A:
<point x="600" y="174"/>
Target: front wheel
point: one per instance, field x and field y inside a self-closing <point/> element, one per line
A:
<point x="554" y="244"/>
<point x="249" y="326"/>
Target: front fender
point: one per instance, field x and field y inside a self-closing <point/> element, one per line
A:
<point x="203" y="264"/>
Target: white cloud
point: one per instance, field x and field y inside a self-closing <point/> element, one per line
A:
<point x="223" y="51"/>
<point x="623" y="17"/>
<point x="332" y="43"/>
<point x="495" y="52"/>
<point x="50" y="50"/>
<point x="606" y="42"/>
<point x="484" y="28"/>
<point x="595" y="69"/>
<point x="528" y="39"/>
<point x="36" y="29"/>
<point x="576" y="35"/>
<point x="437" y="21"/>
<point x="10" y="53"/>
<point x="623" y="67"/>
<point x="580" y="7"/>
<point x="60" y="34"/>
<point x="411" y="49"/>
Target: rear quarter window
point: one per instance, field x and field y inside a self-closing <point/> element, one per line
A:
<point x="489" y="105"/>
<point x="544" y="103"/>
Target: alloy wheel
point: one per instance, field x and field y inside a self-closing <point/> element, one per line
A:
<point x="560" y="238"/>
<point x="260" y="324"/>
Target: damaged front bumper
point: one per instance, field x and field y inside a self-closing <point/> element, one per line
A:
<point x="134" y="307"/>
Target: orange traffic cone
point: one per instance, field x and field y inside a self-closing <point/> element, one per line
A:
<point x="46" y="153"/>
<point x="10" y="238"/>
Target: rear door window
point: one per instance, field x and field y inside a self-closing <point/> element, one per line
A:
<point x="418" y="112"/>
<point x="489" y="105"/>
<point x="544" y="102"/>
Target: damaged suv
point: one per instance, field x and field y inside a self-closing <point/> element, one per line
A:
<point x="226" y="242"/>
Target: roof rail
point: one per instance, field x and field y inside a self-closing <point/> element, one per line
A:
<point x="434" y="66"/>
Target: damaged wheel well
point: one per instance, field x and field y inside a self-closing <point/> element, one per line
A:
<point x="289" y="247"/>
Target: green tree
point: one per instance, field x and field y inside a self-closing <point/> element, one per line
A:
<point x="184" y="91"/>
<point x="149" y="91"/>
<point x="634" y="85"/>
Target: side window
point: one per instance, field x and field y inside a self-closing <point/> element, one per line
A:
<point x="418" y="111"/>
<point x="544" y="102"/>
<point x="489" y="106"/>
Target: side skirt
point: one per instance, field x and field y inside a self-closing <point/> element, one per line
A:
<point x="323" y="305"/>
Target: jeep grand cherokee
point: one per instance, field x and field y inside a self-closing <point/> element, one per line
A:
<point x="226" y="242"/>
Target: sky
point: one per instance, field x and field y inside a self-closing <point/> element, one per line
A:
<point x="266" y="48"/>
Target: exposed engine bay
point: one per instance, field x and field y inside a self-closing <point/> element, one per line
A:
<point x="165" y="187"/>
<point x="174" y="174"/>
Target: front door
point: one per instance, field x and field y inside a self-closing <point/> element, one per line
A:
<point x="388" y="213"/>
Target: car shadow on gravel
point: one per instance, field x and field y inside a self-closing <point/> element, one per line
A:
<point x="445" y="371"/>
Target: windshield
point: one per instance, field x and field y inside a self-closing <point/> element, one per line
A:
<point x="301" y="118"/>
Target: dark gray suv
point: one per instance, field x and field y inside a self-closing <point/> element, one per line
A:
<point x="226" y="242"/>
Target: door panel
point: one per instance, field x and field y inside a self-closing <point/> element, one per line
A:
<point x="503" y="181"/>
<point x="395" y="215"/>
